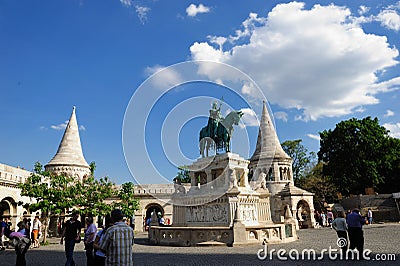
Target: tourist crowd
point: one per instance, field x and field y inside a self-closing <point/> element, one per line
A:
<point x="112" y="245"/>
<point x="348" y="227"/>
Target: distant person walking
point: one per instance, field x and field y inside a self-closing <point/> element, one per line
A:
<point x="90" y="234"/>
<point x="36" y="227"/>
<point x="340" y="226"/>
<point x="356" y="235"/>
<point x="117" y="241"/>
<point x="323" y="219"/>
<point x="329" y="216"/>
<point x="3" y="226"/>
<point x="369" y="216"/>
<point x="71" y="233"/>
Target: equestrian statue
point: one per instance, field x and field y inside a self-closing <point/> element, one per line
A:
<point x="217" y="133"/>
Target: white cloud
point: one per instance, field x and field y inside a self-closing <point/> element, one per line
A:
<point x="192" y="10"/>
<point x="61" y="126"/>
<point x="249" y="118"/>
<point x="217" y="40"/>
<point x="251" y="90"/>
<point x="142" y="13"/>
<point x="394" y="129"/>
<point x="126" y="2"/>
<point x="389" y="113"/>
<point x="363" y="9"/>
<point x="389" y="19"/>
<point x="281" y="116"/>
<point x="165" y="78"/>
<point x="318" y="61"/>
<point x="395" y="6"/>
<point x="248" y="27"/>
<point x="314" y="136"/>
<point x="360" y="109"/>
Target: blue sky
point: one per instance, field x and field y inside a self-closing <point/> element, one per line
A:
<point x="316" y="62"/>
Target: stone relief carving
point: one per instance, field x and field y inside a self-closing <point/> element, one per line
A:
<point x="207" y="213"/>
<point x="249" y="213"/>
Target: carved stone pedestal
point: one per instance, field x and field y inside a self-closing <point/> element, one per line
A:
<point x="220" y="206"/>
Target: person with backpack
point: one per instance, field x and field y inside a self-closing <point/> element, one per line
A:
<point x="21" y="242"/>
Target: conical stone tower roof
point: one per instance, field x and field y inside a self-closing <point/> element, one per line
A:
<point x="69" y="158"/>
<point x="268" y="145"/>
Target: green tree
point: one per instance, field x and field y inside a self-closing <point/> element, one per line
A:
<point x="128" y="203"/>
<point x="390" y="166"/>
<point x="92" y="195"/>
<point x="183" y="175"/>
<point x="323" y="188"/>
<point x="303" y="160"/>
<point x="92" y="166"/>
<point x="354" y="153"/>
<point x="53" y="194"/>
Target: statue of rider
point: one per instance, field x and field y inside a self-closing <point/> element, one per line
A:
<point x="215" y="118"/>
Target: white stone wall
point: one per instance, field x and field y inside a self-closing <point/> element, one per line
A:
<point x="10" y="195"/>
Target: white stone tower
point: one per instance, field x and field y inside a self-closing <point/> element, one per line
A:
<point x="271" y="162"/>
<point x="269" y="158"/>
<point x="69" y="158"/>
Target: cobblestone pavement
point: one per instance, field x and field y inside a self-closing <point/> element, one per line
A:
<point x="381" y="239"/>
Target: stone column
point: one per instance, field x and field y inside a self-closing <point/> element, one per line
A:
<point x="239" y="229"/>
<point x="193" y="180"/>
<point x="209" y="176"/>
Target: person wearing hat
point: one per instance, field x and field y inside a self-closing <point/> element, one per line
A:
<point x="356" y="235"/>
<point x="21" y="243"/>
<point x="117" y="241"/>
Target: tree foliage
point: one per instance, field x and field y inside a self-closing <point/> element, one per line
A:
<point x="359" y="154"/>
<point x="183" y="175"/>
<point x="303" y="160"/>
<point x="323" y="188"/>
<point x="92" y="195"/>
<point x="57" y="194"/>
<point x="128" y="203"/>
<point x="53" y="194"/>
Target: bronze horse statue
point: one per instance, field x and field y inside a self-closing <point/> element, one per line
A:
<point x="224" y="131"/>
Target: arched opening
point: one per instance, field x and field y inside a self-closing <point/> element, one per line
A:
<point x="153" y="207"/>
<point x="8" y="207"/>
<point x="4" y="209"/>
<point x="303" y="214"/>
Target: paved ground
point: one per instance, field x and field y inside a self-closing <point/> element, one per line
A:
<point x="381" y="239"/>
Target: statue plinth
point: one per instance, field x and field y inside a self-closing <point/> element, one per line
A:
<point x="220" y="206"/>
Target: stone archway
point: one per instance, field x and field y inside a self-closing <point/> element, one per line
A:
<point x="303" y="214"/>
<point x="4" y="209"/>
<point x="8" y="208"/>
<point x="148" y="211"/>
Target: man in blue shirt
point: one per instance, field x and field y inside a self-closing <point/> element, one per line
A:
<point x="356" y="236"/>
